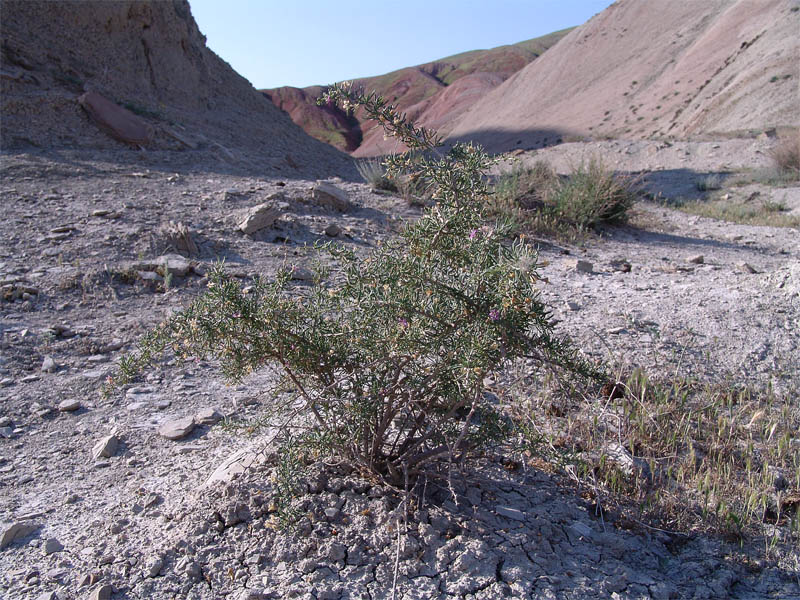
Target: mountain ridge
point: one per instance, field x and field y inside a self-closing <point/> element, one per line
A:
<point x="409" y="89"/>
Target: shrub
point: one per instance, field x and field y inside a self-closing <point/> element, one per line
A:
<point x="537" y="198"/>
<point x="374" y="173"/>
<point x="388" y="362"/>
<point x="786" y="156"/>
<point x="592" y="194"/>
<point x="709" y="183"/>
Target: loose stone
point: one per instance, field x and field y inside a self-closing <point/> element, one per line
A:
<point x="69" y="405"/>
<point x="52" y="545"/>
<point x="746" y="268"/>
<point x="16" y="531"/>
<point x="329" y="196"/>
<point x="581" y="266"/>
<point x="208" y="416"/>
<point x="259" y="217"/>
<point x="106" y="447"/>
<point x="49" y="365"/>
<point x="102" y="593"/>
<point x="177" y="429"/>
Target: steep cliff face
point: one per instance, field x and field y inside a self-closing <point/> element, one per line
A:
<point x="652" y="69"/>
<point x="149" y="57"/>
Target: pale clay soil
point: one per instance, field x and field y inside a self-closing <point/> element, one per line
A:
<point x="141" y="520"/>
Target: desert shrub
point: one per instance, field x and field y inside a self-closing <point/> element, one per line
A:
<point x="786" y="156"/>
<point x="592" y="194"/>
<point x="388" y="360"/>
<point x="373" y="172"/>
<point x="709" y="183"/>
<point x="538" y="199"/>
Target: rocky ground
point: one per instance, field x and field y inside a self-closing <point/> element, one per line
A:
<point x="111" y="498"/>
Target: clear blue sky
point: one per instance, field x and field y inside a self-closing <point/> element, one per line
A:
<point x="307" y="42"/>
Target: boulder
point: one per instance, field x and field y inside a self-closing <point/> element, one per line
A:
<point x="118" y="122"/>
<point x="16" y="531"/>
<point x="331" y="197"/>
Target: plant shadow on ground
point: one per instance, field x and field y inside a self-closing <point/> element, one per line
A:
<point x="719" y="195"/>
<point x="634" y="233"/>
<point x="669" y="185"/>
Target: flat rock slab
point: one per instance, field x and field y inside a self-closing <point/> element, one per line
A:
<point x="17" y="531"/>
<point x="177" y="429"/>
<point x="173" y="263"/>
<point x="208" y="416"/>
<point x="510" y="513"/>
<point x="259" y="217"/>
<point x="238" y="462"/>
<point x="115" y="120"/>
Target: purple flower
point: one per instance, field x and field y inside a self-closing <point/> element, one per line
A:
<point x="473" y="234"/>
<point x="494" y="315"/>
<point x="403" y="323"/>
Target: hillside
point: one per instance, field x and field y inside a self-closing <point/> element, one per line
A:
<point x="150" y="58"/>
<point x="427" y="92"/>
<point x="652" y="69"/>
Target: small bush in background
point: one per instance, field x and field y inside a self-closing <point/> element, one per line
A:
<point x="709" y="183"/>
<point x="786" y="156"/>
<point x="538" y="199"/>
<point x="593" y="194"/>
<point x="374" y="173"/>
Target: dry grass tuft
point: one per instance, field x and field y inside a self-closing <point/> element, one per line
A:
<point x="540" y="201"/>
<point x="680" y="455"/>
<point x="786" y="156"/>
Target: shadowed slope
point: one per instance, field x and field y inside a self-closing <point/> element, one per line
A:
<point x="151" y="58"/>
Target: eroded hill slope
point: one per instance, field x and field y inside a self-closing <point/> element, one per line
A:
<point x="435" y="94"/>
<point x="151" y="58"/>
<point x="652" y="69"/>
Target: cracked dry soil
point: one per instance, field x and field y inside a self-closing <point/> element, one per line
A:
<point x="77" y="250"/>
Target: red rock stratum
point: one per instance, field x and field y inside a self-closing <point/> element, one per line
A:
<point x="436" y="94"/>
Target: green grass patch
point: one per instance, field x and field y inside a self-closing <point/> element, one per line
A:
<point x="772" y="214"/>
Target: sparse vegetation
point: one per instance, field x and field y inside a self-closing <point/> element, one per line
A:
<point x="374" y="173"/>
<point x="387" y="365"/>
<point x="710" y="183"/>
<point x="786" y="157"/>
<point x="747" y="212"/>
<point x="680" y="454"/>
<point x="539" y="200"/>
